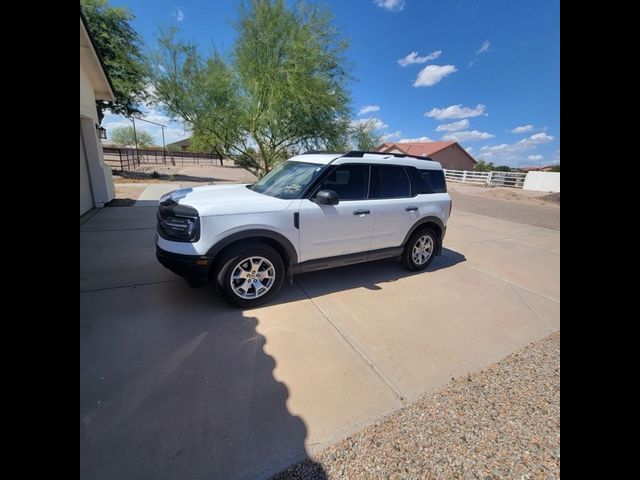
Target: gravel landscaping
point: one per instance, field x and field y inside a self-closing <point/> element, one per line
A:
<point x="500" y="423"/>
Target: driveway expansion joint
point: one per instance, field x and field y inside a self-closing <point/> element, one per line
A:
<point x="353" y="345"/>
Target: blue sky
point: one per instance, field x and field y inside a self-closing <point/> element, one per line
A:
<point x="484" y="73"/>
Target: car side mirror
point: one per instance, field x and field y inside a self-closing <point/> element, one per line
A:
<point x="326" y="197"/>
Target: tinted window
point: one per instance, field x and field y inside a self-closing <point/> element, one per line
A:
<point x="390" y="182"/>
<point x="427" y="181"/>
<point x="350" y="182"/>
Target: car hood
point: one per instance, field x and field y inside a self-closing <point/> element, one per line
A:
<point x="226" y="200"/>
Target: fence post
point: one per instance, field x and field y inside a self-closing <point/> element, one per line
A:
<point x="120" y="153"/>
<point x="489" y="178"/>
<point x="464" y="176"/>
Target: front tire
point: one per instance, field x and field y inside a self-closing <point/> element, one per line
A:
<point x="420" y="249"/>
<point x="250" y="274"/>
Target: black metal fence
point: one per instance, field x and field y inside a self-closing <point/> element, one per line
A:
<point x="126" y="159"/>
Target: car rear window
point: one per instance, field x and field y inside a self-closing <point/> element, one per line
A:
<point x="427" y="181"/>
<point x="390" y="181"/>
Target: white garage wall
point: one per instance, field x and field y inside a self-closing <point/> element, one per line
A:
<point x="543" y="181"/>
<point x="102" y="188"/>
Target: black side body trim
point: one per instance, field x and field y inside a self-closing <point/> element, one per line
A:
<point x="251" y="234"/>
<point x="296" y="220"/>
<point x="342" y="260"/>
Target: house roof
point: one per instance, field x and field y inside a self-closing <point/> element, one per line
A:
<point x="422" y="149"/>
<point x="181" y="143"/>
<point x="96" y="69"/>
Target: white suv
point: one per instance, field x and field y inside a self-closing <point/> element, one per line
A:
<point x="314" y="211"/>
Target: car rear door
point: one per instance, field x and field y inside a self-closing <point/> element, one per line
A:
<point x="396" y="211"/>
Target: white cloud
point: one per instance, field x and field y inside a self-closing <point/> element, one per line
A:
<point x="514" y="153"/>
<point x="178" y="14"/>
<point x="390" y="136"/>
<point x="485" y="47"/>
<point x="376" y="123"/>
<point x="453" y="127"/>
<point x="369" y="109"/>
<point x="468" y="149"/>
<point x="432" y="74"/>
<point x="534" y="158"/>
<point x="391" y="5"/>
<point x="414" y="58"/>
<point x="415" y="140"/>
<point x="468" y="136"/>
<point x="455" y="111"/>
<point x="535" y="140"/>
<point x="522" y="129"/>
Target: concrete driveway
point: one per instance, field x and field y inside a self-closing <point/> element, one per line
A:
<point x="176" y="384"/>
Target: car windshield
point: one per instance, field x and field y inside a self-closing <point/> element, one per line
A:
<point x="287" y="180"/>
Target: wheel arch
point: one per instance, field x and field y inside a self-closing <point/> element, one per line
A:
<point x="433" y="222"/>
<point x="275" y="240"/>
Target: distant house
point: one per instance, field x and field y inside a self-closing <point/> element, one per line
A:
<point x="450" y="154"/>
<point x="183" y="144"/>
<point x="96" y="182"/>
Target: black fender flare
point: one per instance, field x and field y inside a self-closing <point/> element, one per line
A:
<point x="422" y="221"/>
<point x="252" y="233"/>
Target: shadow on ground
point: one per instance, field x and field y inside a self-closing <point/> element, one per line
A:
<point x="166" y="394"/>
<point x="174" y="383"/>
<point x="369" y="275"/>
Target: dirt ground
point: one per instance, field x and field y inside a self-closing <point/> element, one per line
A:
<point x="204" y="174"/>
<point x="530" y="197"/>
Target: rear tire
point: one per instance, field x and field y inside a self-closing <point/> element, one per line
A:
<point x="250" y="274"/>
<point x="420" y="249"/>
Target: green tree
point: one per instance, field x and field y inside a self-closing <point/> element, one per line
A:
<point x="282" y="90"/>
<point x="502" y="168"/>
<point x="120" y="47"/>
<point x="555" y="168"/>
<point x="483" y="166"/>
<point x="364" y="136"/>
<point x="124" y="136"/>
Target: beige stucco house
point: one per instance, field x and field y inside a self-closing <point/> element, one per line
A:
<point x="96" y="182"/>
<point x="450" y="154"/>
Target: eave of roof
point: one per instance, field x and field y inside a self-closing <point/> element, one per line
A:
<point x="97" y="53"/>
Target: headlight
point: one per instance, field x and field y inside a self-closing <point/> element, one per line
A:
<point x="179" y="223"/>
<point x="179" y="228"/>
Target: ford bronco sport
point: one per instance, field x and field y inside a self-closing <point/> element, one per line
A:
<point x="311" y="212"/>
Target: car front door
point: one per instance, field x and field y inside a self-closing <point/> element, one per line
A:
<point x="396" y="211"/>
<point x="342" y="229"/>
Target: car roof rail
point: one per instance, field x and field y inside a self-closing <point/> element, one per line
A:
<point x="361" y="153"/>
<point x="315" y="152"/>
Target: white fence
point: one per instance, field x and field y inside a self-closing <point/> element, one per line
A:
<point x="501" y="179"/>
<point x="543" y="181"/>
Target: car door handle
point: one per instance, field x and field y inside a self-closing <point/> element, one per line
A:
<point x="361" y="212"/>
<point x="411" y="209"/>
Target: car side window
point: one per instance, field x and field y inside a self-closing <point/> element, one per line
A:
<point x="427" y="181"/>
<point x="350" y="182"/>
<point x="390" y="181"/>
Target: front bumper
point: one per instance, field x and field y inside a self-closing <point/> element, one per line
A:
<point x="193" y="268"/>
